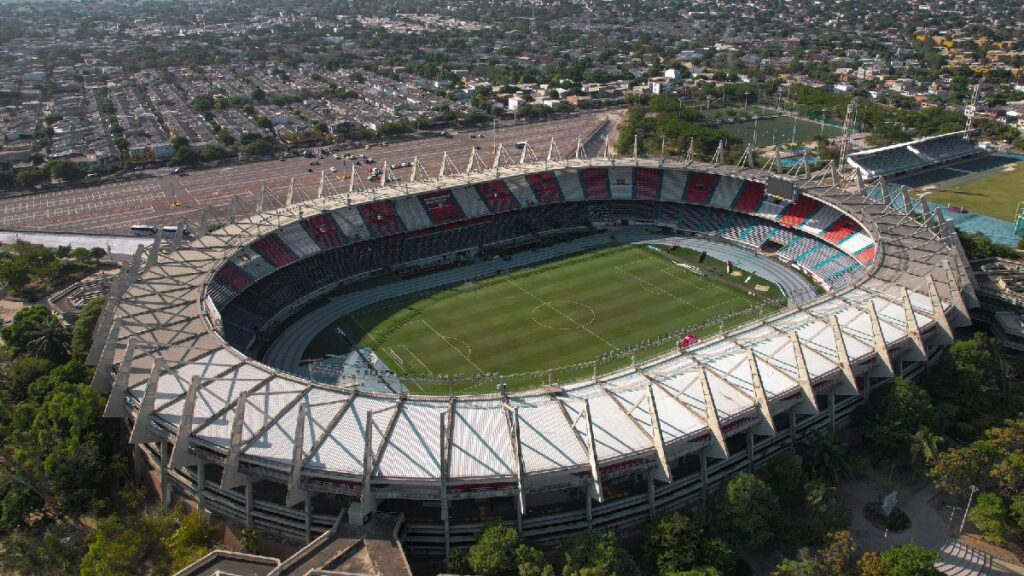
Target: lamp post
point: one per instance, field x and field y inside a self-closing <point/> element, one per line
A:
<point x="967" y="510"/>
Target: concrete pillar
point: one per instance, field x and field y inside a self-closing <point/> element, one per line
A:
<point x="165" y="497"/>
<point x="832" y="411"/>
<point x="750" y="450"/>
<point x="248" y="502"/>
<point x="703" y="478"/>
<point x="201" y="485"/>
<point x="307" y="507"/>
<point x="792" y="430"/>
<point x="590" y="512"/>
<point x="650" y="495"/>
<point x="519" y="515"/>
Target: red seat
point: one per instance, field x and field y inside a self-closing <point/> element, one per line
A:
<point x="545" y="187"/>
<point x="750" y="197"/>
<point x="497" y="196"/>
<point x="274" y="250"/>
<point x="648" y="181"/>
<point x="595" y="183"/>
<point x="441" y="207"/>
<point x="700" y="187"/>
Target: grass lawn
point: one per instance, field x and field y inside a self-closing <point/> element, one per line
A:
<point x="992" y="193"/>
<point x="545" y="317"/>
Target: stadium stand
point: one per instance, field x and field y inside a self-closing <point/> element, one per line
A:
<point x="620" y="182"/>
<point x="497" y="196"/>
<point x="749" y="198"/>
<point x="252" y="263"/>
<point x="795" y="214"/>
<point x="700" y="187"/>
<point x="274" y="250"/>
<point x="351" y="224"/>
<point x="840" y="230"/>
<point x="412" y="213"/>
<point x="470" y="203"/>
<point x="673" y="184"/>
<point x="866" y="255"/>
<point x="855" y="242"/>
<point x="913" y="156"/>
<point x="233" y="277"/>
<point x="648" y="182"/>
<point x="442" y="207"/>
<point x="381" y="218"/>
<point x="595" y="183"/>
<point x="545" y="187"/>
<point x="726" y="191"/>
<point x="820" y="220"/>
<point x="522" y="191"/>
<point x="769" y="209"/>
<point x="324" y="231"/>
<point x="298" y="240"/>
<point x="569" y="183"/>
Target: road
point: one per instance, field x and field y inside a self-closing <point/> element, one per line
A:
<point x="165" y="198"/>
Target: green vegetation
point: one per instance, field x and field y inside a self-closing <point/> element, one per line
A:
<point x="61" y="466"/>
<point x="992" y="193"/>
<point x="29" y="271"/>
<point x="663" y="117"/>
<point x="546" y="317"/>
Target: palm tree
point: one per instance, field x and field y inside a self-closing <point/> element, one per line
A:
<point x="924" y="447"/>
<point x="828" y="457"/>
<point x="47" y="338"/>
<point x="820" y="496"/>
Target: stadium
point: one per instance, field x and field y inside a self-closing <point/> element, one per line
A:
<point x="854" y="292"/>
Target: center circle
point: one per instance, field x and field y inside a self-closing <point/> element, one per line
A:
<point x="563" y="315"/>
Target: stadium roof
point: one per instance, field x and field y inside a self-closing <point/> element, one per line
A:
<point x="915" y="155"/>
<point x="180" y="381"/>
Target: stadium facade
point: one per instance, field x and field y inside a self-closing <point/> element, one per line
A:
<point x="289" y="456"/>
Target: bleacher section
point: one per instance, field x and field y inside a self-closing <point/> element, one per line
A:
<point x="254" y="265"/>
<point x="284" y="266"/>
<point x="841" y="230"/>
<point x="324" y="231"/>
<point x="913" y="156"/>
<point x="820" y="220"/>
<point x="412" y="213"/>
<point x="298" y="240"/>
<point x="470" y="202"/>
<point x="595" y="183"/>
<point x="497" y="196"/>
<point x="750" y="197"/>
<point x="545" y="187"/>
<point x="274" y="250"/>
<point x="795" y="214"/>
<point x="673" y="184"/>
<point x="700" y="187"/>
<point x="442" y="207"/>
<point x="648" y="181"/>
<point x="866" y="255"/>
<point x="233" y="277"/>
<point x="381" y="218"/>
<point x="726" y="191"/>
<point x="522" y="191"/>
<point x="351" y="224"/>
<point x="620" y="182"/>
<point x="569" y="182"/>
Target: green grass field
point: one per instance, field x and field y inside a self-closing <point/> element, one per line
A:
<point x="992" y="193"/>
<point x="546" y="317"/>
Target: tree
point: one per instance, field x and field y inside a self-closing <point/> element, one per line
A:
<point x="990" y="516"/>
<point x="895" y="414"/>
<point x="671" y="543"/>
<point x="225" y="136"/>
<point x="924" y="447"/>
<point x="36" y="331"/>
<point x="904" y="560"/>
<point x="530" y="562"/>
<point x="17" y="377"/>
<point x="785" y="475"/>
<point x="81" y="334"/>
<point x="494" y="554"/>
<point x="745" y="512"/>
<point x="64" y="170"/>
<point x="592" y="552"/>
<point x="250" y="540"/>
<point x="193" y="539"/>
<point x="184" y="156"/>
<point x="29" y="177"/>
<point x="828" y="457"/>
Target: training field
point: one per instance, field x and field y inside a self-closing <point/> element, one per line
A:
<point x="547" y="317"/>
<point x="993" y="192"/>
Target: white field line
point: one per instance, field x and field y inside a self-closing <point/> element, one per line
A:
<point x="580" y="326"/>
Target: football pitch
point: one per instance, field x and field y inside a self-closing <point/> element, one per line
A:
<point x="549" y="317"/>
<point x="994" y="192"/>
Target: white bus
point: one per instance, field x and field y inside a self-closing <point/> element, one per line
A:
<point x="143" y="230"/>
